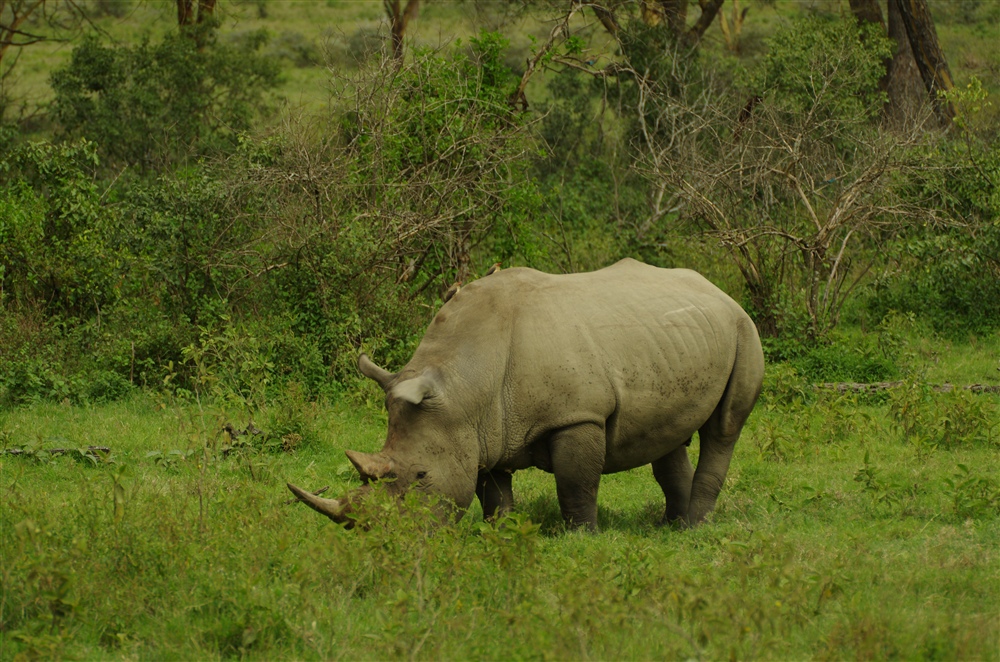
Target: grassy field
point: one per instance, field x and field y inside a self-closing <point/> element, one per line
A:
<point x="849" y="528"/>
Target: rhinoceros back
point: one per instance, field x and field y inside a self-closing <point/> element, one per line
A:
<point x="642" y="351"/>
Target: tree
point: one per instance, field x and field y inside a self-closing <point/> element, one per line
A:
<point x="48" y="19"/>
<point x="672" y="14"/>
<point x="153" y="105"/>
<point x="186" y="15"/>
<point x="427" y="163"/>
<point x="801" y="187"/>
<point x="399" y="20"/>
<point x="911" y="27"/>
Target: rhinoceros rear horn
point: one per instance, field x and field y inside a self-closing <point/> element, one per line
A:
<point x="372" y="371"/>
<point x="371" y="466"/>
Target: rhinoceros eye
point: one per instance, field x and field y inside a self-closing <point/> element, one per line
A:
<point x="421" y="475"/>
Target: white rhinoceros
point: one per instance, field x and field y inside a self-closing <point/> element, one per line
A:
<point x="578" y="375"/>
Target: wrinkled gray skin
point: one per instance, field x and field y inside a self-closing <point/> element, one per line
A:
<point x="578" y="375"/>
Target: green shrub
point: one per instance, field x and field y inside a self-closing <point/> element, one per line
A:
<point x="846" y="357"/>
<point x="798" y="69"/>
<point x="54" y="248"/>
<point x="949" y="278"/>
<point x="157" y="104"/>
<point x="950" y="274"/>
<point x="844" y="363"/>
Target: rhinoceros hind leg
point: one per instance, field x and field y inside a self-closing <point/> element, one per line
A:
<point x="577" y="462"/>
<point x="718" y="435"/>
<point x="674" y="473"/>
<point x="495" y="493"/>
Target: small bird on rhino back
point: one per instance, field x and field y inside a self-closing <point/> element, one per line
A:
<point x="452" y="291"/>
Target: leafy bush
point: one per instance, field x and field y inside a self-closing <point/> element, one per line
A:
<point x="844" y="363"/>
<point x="800" y="69"/>
<point x="153" y="105"/>
<point x="53" y="231"/>
<point x="869" y="357"/>
<point x="231" y="280"/>
<point x="421" y="179"/>
<point x="951" y="275"/>
<point x="950" y="278"/>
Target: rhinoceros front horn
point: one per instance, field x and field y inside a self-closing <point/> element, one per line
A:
<point x="372" y="371"/>
<point x="335" y="509"/>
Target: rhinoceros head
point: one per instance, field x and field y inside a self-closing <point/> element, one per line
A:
<point x="423" y="448"/>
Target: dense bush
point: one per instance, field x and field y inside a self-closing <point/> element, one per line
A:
<point x="420" y="180"/>
<point x="234" y="278"/>
<point x="156" y="104"/>
<point x="785" y="166"/>
<point x="952" y="279"/>
<point x="276" y="260"/>
<point x="950" y="273"/>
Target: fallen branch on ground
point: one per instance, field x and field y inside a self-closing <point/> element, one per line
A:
<point x="853" y="387"/>
<point x="90" y="450"/>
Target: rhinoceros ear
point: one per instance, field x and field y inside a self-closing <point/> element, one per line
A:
<point x="415" y="390"/>
<point x="371" y="466"/>
<point x="372" y="371"/>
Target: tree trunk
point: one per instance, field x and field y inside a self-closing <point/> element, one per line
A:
<point x="867" y="11"/>
<point x="399" y="19"/>
<point x="927" y="53"/>
<point x="206" y="9"/>
<point x="185" y="12"/>
<point x="905" y="88"/>
<point x="709" y="8"/>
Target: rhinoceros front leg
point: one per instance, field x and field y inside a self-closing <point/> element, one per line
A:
<point x="495" y="493"/>
<point x="674" y="473"/>
<point x="577" y="455"/>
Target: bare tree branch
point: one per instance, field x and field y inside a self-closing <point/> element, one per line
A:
<point x="559" y="31"/>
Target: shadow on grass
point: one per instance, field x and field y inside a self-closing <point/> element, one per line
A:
<point x="544" y="511"/>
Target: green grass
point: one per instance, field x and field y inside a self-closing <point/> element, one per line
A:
<point x="848" y="528"/>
